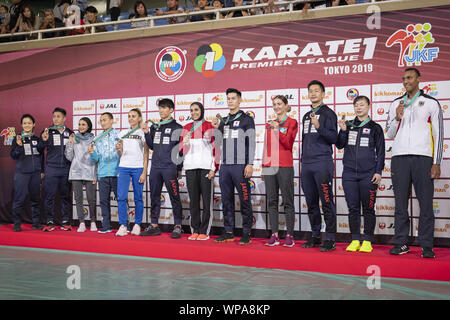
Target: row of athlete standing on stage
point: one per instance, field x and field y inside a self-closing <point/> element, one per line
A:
<point x="114" y="158"/>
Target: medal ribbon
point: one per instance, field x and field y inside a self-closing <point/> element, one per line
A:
<point x="130" y="132"/>
<point x="412" y="100"/>
<point x="157" y="125"/>
<point x="102" y="135"/>
<point x="25" y="135"/>
<point x="352" y="124"/>
<point x="237" y="116"/>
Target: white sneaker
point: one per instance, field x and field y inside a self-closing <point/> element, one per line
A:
<point x="82" y="227"/>
<point x="122" y="231"/>
<point x="136" y="230"/>
<point x="93" y="226"/>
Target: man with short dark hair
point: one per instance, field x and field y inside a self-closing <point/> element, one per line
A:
<point x="415" y="122"/>
<point x="317" y="168"/>
<point x="238" y="153"/>
<point x="90" y="17"/>
<point x="163" y="138"/>
<point x="57" y="167"/>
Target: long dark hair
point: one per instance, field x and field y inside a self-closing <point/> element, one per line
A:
<point x="89" y="123"/>
<point x="136" y="14"/>
<point x="31" y="20"/>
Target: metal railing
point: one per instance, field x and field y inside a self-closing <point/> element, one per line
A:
<point x="31" y="35"/>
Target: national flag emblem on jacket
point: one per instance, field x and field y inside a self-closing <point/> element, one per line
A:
<point x="366" y="131"/>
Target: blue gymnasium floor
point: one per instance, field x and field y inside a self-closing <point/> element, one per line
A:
<point x="41" y="274"/>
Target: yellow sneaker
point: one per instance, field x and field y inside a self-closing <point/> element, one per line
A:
<point x="354" y="246"/>
<point x="366" y="247"/>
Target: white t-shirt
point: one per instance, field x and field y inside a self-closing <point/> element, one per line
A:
<point x="133" y="149"/>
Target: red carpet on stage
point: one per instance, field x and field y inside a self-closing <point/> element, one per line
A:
<point x="410" y="266"/>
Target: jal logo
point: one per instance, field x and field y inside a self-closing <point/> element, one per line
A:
<point x="181" y="118"/>
<point x="413" y="41"/>
<point x="380" y="111"/>
<point x="108" y="106"/>
<point x="381" y="187"/>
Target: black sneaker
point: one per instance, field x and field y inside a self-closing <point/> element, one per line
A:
<point x="225" y="237"/>
<point x="151" y="231"/>
<point x="49" y="227"/>
<point x="245" y="240"/>
<point x="328" y="245"/>
<point x="176" y="233"/>
<point x="37" y="226"/>
<point x="312" y="242"/>
<point x="398" y="250"/>
<point x="427" y="253"/>
<point x="17" y="227"/>
<point x="104" y="230"/>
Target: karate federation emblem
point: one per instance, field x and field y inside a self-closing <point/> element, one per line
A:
<point x="170" y="64"/>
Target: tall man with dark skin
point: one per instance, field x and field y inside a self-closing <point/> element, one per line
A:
<point x="415" y="122"/>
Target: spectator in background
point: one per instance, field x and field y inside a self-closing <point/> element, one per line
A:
<point x="271" y="8"/>
<point x="218" y="4"/>
<point x="59" y="9"/>
<point x="3" y="17"/>
<point x="336" y="3"/>
<point x="172" y="8"/>
<point x="27" y="22"/>
<point x="238" y="13"/>
<point x="191" y="4"/>
<point x="14" y="14"/>
<point x="140" y="11"/>
<point x="202" y="5"/>
<point x="114" y="9"/>
<point x="90" y="16"/>
<point x="50" y="22"/>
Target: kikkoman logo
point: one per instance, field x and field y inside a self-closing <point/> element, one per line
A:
<point x="413" y="41"/>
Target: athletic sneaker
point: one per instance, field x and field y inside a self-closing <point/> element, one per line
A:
<point x="427" y="253"/>
<point x="273" y="241"/>
<point x="366" y="247"/>
<point x="398" y="250"/>
<point x="151" y="231"/>
<point x="104" y="230"/>
<point x="194" y="236"/>
<point x="289" y="241"/>
<point x="203" y="237"/>
<point x="225" y="237"/>
<point x="354" y="246"/>
<point x="136" y="230"/>
<point x="122" y="231"/>
<point x="82" y="227"/>
<point x="37" y="226"/>
<point x="49" y="227"/>
<point x="93" y="226"/>
<point x="328" y="245"/>
<point x="176" y="233"/>
<point x="245" y="240"/>
<point x="66" y="226"/>
<point x="312" y="242"/>
<point x="17" y="227"/>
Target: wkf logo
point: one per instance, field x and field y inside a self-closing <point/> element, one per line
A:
<point x="170" y="64"/>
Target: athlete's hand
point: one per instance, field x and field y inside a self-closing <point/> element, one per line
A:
<point x="71" y="139"/>
<point x="142" y="177"/>
<point x="376" y="178"/>
<point x="315" y="120"/>
<point x="91" y="148"/>
<point x="399" y="111"/>
<point x="275" y="125"/>
<point x="145" y="127"/>
<point x="342" y="124"/>
<point x="215" y="122"/>
<point x="19" y="140"/>
<point x="248" y="171"/>
<point x="435" y="171"/>
<point x="211" y="174"/>
<point x="45" y="135"/>
<point x="119" y="147"/>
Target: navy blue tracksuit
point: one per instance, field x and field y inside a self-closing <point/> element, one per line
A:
<point x="238" y="150"/>
<point x="164" y="142"/>
<point x="27" y="177"/>
<point x="317" y="169"/>
<point x="364" y="153"/>
<point x="57" y="174"/>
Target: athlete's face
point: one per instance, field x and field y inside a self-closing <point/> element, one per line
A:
<point x="165" y="112"/>
<point x="58" y="118"/>
<point x="106" y="122"/>
<point x="196" y="112"/>
<point x="27" y="125"/>
<point x="315" y="93"/>
<point x="133" y="118"/>
<point x="410" y="81"/>
<point x="279" y="107"/>
<point x="83" y="126"/>
<point x="362" y="108"/>
<point x="233" y="101"/>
